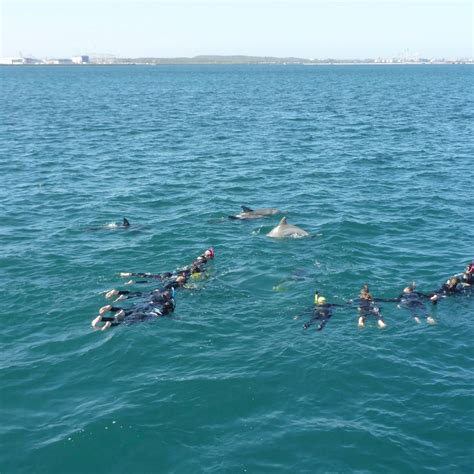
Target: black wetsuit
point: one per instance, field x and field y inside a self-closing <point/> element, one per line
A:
<point x="154" y="276"/>
<point x="368" y="307"/>
<point x="449" y="289"/>
<point x="321" y="313"/>
<point x="157" y="296"/>
<point x="413" y="302"/>
<point x="140" y="312"/>
<point x="468" y="278"/>
<point x="194" y="267"/>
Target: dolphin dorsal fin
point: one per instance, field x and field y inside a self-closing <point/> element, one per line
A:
<point x="125" y="222"/>
<point x="283" y="221"/>
<point x="246" y="209"/>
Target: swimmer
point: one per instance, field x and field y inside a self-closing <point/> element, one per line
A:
<point x="154" y="276"/>
<point x="178" y="282"/>
<point x="138" y="313"/>
<point x="157" y="295"/>
<point x="322" y="312"/>
<point x="451" y="286"/>
<point x="197" y="272"/>
<point x="413" y="301"/>
<point x="198" y="263"/>
<point x="368" y="307"/>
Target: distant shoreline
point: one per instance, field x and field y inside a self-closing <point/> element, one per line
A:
<point x="457" y="63"/>
<point x="242" y="60"/>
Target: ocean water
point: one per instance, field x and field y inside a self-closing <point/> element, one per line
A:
<point x="375" y="162"/>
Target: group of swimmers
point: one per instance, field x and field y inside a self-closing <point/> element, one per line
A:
<point x="157" y="302"/>
<point x="410" y="299"/>
<point x="160" y="300"/>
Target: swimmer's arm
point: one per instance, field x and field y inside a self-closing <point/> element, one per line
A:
<point x="139" y="282"/>
<point x="138" y="275"/>
<point x="425" y="295"/>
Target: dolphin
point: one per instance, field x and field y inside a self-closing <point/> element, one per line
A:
<point x="125" y="224"/>
<point x="248" y="213"/>
<point x="283" y="229"/>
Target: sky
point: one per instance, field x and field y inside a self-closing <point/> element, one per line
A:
<point x="300" y="28"/>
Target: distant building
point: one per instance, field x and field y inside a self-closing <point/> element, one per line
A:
<point x="11" y="61"/>
<point x="84" y="59"/>
<point x="15" y="61"/>
<point x="58" y="61"/>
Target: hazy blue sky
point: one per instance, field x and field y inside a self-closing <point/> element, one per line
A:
<point x="304" y="28"/>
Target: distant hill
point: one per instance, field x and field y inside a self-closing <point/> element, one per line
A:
<point x="216" y="59"/>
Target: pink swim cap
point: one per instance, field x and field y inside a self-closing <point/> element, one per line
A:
<point x="209" y="252"/>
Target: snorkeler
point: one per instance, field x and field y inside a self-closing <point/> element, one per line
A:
<point x="177" y="282"/>
<point x="412" y="301"/>
<point x="368" y="307"/>
<point x="188" y="270"/>
<point x="451" y="286"/>
<point x="154" y="276"/>
<point x="135" y="314"/>
<point x="158" y="295"/>
<point x="322" y="312"/>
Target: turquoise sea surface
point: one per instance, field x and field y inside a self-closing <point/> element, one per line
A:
<point x="377" y="163"/>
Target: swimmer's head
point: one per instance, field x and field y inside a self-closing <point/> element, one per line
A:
<point x="209" y="253"/>
<point x="408" y="289"/>
<point x="321" y="300"/>
<point x="453" y="281"/>
<point x="180" y="280"/>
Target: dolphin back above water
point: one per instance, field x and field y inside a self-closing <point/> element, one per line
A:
<point x="248" y="213"/>
<point x="125" y="224"/>
<point x="283" y="229"/>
